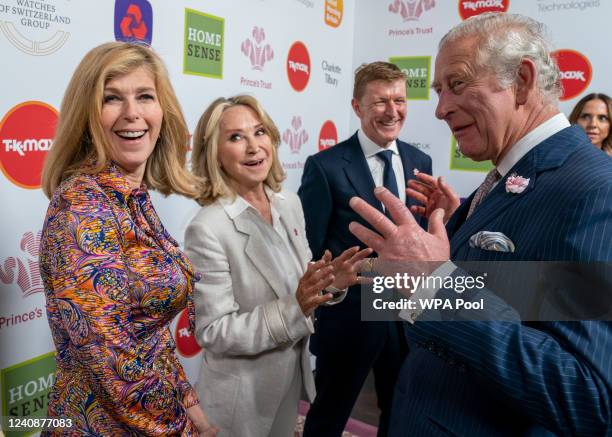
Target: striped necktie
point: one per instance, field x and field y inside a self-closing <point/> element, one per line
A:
<point x="492" y="177"/>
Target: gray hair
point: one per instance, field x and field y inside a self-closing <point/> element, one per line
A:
<point x="503" y="41"/>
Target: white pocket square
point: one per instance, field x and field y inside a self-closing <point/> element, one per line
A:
<point x="494" y="241"/>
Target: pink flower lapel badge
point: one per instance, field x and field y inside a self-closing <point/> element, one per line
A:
<point x="516" y="184"/>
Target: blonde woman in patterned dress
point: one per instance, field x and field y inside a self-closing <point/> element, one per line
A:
<point x="114" y="278"/>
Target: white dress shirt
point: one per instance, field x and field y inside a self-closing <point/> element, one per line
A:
<point x="275" y="237"/>
<point x="377" y="165"/>
<point x="514" y="155"/>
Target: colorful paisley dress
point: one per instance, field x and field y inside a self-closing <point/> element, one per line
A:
<point x="114" y="280"/>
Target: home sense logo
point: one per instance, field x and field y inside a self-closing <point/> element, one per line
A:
<point x="38" y="28"/>
<point x="417" y="70"/>
<point x="298" y="66"/>
<point x="255" y="50"/>
<point x="328" y="136"/>
<point x="184" y="339"/>
<point x="133" y="20"/>
<point x="26" y="387"/>
<point x="459" y="161"/>
<point x="26" y="135"/>
<point x="24" y="271"/>
<point x="469" y="8"/>
<point x="576" y="72"/>
<point x="333" y="12"/>
<point x="204" y="40"/>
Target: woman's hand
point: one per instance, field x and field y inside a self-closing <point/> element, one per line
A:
<point x="347" y="265"/>
<point x="200" y="421"/>
<point x="432" y="193"/>
<point x="316" y="278"/>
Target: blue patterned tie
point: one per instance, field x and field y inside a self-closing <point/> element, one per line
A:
<point x="389" y="181"/>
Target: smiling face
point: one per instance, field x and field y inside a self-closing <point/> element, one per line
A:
<point x="382" y="110"/>
<point x="595" y="120"/>
<point x="244" y="149"/>
<point x="480" y="114"/>
<point x="131" y="120"/>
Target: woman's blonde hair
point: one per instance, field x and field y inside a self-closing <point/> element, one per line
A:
<point x="205" y="154"/>
<point x="80" y="139"/>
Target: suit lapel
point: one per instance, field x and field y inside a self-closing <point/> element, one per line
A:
<point x="550" y="153"/>
<point x="408" y="165"/>
<point x="290" y="223"/>
<point x="495" y="203"/>
<point x="358" y="173"/>
<point x="255" y="250"/>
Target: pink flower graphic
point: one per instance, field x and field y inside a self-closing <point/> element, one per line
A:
<point x="296" y="137"/>
<point x="411" y="10"/>
<point x="28" y="275"/>
<point x="516" y="184"/>
<point x="253" y="49"/>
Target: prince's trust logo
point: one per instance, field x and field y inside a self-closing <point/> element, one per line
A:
<point x="295" y="137"/>
<point x="411" y="10"/>
<point x="256" y="50"/>
<point x="24" y="271"/>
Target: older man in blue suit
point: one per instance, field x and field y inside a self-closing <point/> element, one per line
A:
<point x="548" y="198"/>
<point x="346" y="347"/>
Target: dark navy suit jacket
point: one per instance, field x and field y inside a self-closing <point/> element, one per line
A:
<point x="521" y="378"/>
<point x="330" y="179"/>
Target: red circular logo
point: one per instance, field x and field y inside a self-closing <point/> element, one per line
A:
<point x="26" y="135"/>
<point x="576" y="72"/>
<point x="298" y="66"/>
<point x="469" y="8"/>
<point x="185" y="341"/>
<point x="328" y="136"/>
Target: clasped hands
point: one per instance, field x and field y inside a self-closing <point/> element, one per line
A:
<point x="340" y="272"/>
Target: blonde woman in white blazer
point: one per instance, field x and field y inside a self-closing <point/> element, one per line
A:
<point x="258" y="290"/>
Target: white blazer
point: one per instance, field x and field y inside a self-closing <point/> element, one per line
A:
<point x="249" y="324"/>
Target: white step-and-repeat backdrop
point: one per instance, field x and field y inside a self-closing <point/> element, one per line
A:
<point x="296" y="56"/>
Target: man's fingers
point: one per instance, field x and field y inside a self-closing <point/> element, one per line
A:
<point x="416" y="195"/>
<point x="377" y="219"/>
<point x="420" y="187"/>
<point x="420" y="210"/>
<point x="426" y="178"/>
<point x="446" y="189"/>
<point x="435" y="224"/>
<point x="367" y="236"/>
<point x="399" y="213"/>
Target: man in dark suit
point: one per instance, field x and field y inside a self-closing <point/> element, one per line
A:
<point x="345" y="347"/>
<point x="548" y="198"/>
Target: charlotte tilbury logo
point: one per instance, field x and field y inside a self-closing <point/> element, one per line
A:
<point x="24" y="270"/>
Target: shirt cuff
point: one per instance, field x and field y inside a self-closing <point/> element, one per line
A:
<point x="424" y="293"/>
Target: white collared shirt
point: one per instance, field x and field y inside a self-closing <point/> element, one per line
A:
<point x="377" y="165"/>
<point x="529" y="141"/>
<point x="514" y="155"/>
<point x="275" y="237"/>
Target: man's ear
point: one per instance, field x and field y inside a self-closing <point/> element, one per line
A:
<point x="526" y="81"/>
<point x="356" y="108"/>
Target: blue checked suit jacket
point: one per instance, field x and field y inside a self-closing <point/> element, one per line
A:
<point x="518" y="378"/>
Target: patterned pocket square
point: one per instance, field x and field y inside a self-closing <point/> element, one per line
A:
<point x="495" y="241"/>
